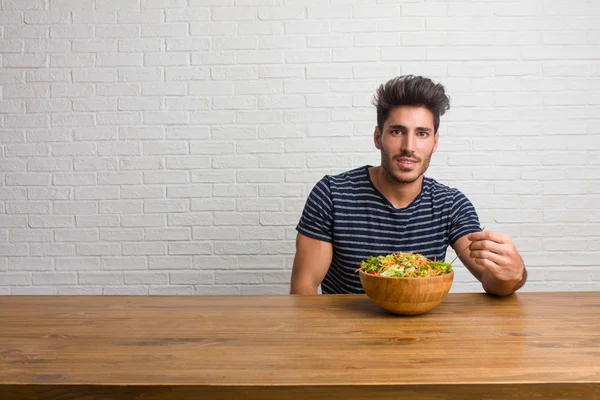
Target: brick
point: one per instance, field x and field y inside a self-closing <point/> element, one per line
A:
<point x="75" y="207"/>
<point x="79" y="291"/>
<point x="142" y="192"/>
<point x="165" y="30"/>
<point x="141" y="163"/>
<point x="167" y="177"/>
<point x="33" y="291"/>
<point x="49" y="193"/>
<point x="234" y="162"/>
<point x="135" y="17"/>
<point x="141" y="133"/>
<point x="139" y="221"/>
<point x="26" y="150"/>
<point x="237" y="277"/>
<point x="212" y="204"/>
<point x="12" y="193"/>
<point x="161" y="206"/>
<point x="90" y="16"/>
<point x="95" y="164"/>
<point x="221" y="28"/>
<point x="29" y="235"/>
<point x="97" y="220"/>
<point x="77" y="264"/>
<point x="50" y="221"/>
<point x="146" y="278"/>
<point x="259" y="176"/>
<point x="119" y="60"/>
<point x="191" y="277"/>
<point x="26" y="121"/>
<point x="237" y="219"/>
<point x="54" y="278"/>
<point x="189" y="219"/>
<point x="26" y="32"/>
<point x="146" y="249"/>
<point x="71" y="120"/>
<point x="187" y="15"/>
<point x="117" y="5"/>
<point x="170" y="262"/>
<point x="119" y="178"/>
<point x="120" y="207"/>
<point x="96" y="193"/>
<point x="74" y="179"/>
<point x="29" y="264"/>
<point x="101" y="278"/>
<point x="165" y="147"/>
<point x="215" y="233"/>
<point x="195" y="132"/>
<point x="124" y="263"/>
<point x="262" y="204"/>
<point x="12" y="137"/>
<point x="212" y="176"/>
<point x="96" y="46"/>
<point x="234" y="14"/>
<point x="189" y="191"/>
<point x="191" y="74"/>
<point x="190" y="248"/>
<point x="143" y="74"/>
<point x="51" y="249"/>
<point x="119" y="235"/>
<point x="187" y="103"/>
<point x="104" y="249"/>
<point x="168" y="234"/>
<point x="166" y="59"/>
<point x="212" y="117"/>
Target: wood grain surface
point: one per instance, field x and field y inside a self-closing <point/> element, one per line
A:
<point x="342" y="346"/>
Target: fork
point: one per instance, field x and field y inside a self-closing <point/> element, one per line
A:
<point x="463" y="250"/>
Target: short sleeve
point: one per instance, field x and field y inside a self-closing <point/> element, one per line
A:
<point x="463" y="218"/>
<point x="316" y="221"/>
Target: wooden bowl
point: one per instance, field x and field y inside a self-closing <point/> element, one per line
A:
<point x="407" y="296"/>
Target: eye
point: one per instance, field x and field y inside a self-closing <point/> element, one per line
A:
<point x="396" y="132"/>
<point x="422" y="133"/>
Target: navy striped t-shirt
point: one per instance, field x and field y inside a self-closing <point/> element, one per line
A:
<point x="349" y="212"/>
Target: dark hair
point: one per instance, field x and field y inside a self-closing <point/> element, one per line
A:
<point x="409" y="90"/>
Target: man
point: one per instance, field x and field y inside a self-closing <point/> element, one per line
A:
<point x="371" y="211"/>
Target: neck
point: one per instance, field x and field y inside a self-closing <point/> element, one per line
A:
<point x="400" y="195"/>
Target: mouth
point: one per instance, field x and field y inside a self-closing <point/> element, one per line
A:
<point x="406" y="163"/>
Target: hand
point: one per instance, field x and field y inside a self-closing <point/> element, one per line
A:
<point x="498" y="255"/>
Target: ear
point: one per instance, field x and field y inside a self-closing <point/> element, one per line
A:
<point x="436" y="139"/>
<point x="377" y="138"/>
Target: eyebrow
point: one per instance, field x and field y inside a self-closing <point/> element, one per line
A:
<point x="419" y="128"/>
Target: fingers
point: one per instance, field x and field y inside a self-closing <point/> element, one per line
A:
<point x="488" y="245"/>
<point x="494" y="257"/>
<point x="489" y="235"/>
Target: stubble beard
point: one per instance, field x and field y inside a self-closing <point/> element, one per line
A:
<point x="388" y="168"/>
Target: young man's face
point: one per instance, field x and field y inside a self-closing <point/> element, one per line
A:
<point x="407" y="142"/>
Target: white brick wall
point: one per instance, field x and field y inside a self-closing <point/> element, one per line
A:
<point x="167" y="146"/>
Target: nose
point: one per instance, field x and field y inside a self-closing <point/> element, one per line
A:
<point x="408" y="143"/>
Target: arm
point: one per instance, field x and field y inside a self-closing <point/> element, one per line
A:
<point x="493" y="259"/>
<point x="311" y="263"/>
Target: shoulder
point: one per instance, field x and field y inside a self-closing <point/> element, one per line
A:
<point x="444" y="195"/>
<point x="439" y="190"/>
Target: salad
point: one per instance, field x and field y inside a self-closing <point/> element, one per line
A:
<point x="404" y="265"/>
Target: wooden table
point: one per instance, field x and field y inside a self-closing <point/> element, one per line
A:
<point x="306" y="347"/>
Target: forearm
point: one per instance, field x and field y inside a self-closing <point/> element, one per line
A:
<point x="298" y="287"/>
<point x="497" y="287"/>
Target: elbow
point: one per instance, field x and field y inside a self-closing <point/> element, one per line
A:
<point x="303" y="286"/>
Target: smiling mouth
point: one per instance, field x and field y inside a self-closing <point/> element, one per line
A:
<point x="406" y="163"/>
